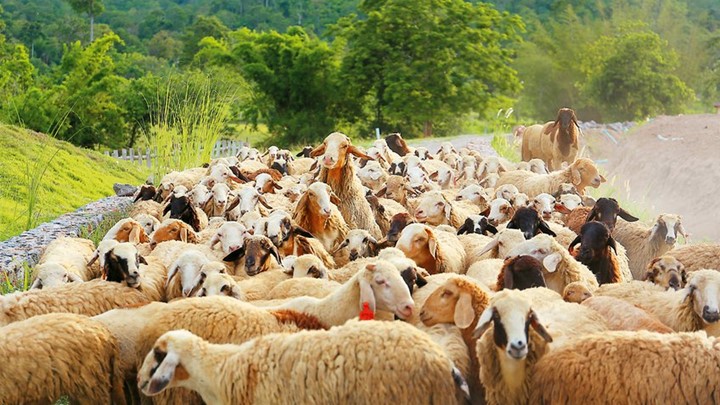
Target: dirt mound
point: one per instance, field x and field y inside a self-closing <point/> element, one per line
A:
<point x="670" y="164"/>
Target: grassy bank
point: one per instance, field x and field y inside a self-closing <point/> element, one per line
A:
<point x="42" y="178"/>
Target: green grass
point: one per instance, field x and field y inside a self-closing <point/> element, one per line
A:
<point x="97" y="232"/>
<point x="621" y="193"/>
<point x="10" y="283"/>
<point x="73" y="177"/>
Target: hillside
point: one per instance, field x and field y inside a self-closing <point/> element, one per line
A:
<point x="72" y="178"/>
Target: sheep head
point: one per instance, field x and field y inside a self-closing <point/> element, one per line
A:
<point x="583" y="173"/>
<point x="520" y="273"/>
<point x="703" y="293"/>
<point x="162" y="366"/>
<point x="666" y="271"/>
<point x="458" y="301"/>
<point x="334" y="151"/>
<point x="576" y="292"/>
<point x="382" y="287"/>
<point x="173" y="229"/>
<point x="122" y="264"/>
<point x="52" y="275"/>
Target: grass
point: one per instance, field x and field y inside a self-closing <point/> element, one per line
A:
<point x="97" y="232"/>
<point x="12" y="283"/>
<point x="66" y="178"/>
<point x="621" y="193"/>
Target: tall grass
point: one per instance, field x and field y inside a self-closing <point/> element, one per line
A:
<point x="189" y="121"/>
<point x="641" y="209"/>
<point x="96" y="232"/>
<point x="12" y="282"/>
<point x="500" y="127"/>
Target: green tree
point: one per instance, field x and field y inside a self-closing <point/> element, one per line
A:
<point x="426" y="62"/>
<point x="203" y="27"/>
<point x="92" y="8"/>
<point x="631" y="76"/>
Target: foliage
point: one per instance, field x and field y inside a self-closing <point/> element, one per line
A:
<point x="501" y="130"/>
<point x="630" y="76"/>
<point x="424" y="62"/>
<point x="97" y="232"/>
<point x="74" y="177"/>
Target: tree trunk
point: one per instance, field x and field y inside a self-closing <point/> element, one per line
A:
<point x="92" y="27"/>
<point x="427" y="131"/>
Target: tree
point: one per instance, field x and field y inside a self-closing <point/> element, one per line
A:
<point x="425" y="62"/>
<point x="203" y="27"/>
<point x="92" y="8"/>
<point x="631" y="76"/>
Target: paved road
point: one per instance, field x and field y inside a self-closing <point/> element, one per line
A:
<point x="480" y="143"/>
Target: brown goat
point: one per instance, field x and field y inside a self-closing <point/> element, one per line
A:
<point x="555" y="142"/>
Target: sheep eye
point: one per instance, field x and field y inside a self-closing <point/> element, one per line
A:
<point x="446" y="293"/>
<point x="365" y="240"/>
<point x="380" y="281"/>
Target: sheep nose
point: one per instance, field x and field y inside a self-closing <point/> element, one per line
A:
<point x="222" y="202"/>
<point x="353" y="254"/>
<point x="152" y="245"/>
<point x="406" y="311"/>
<point x="674" y="284"/>
<point x="710" y="316"/>
<point x="250" y="261"/>
<point x="669" y="240"/>
<point x="234" y="248"/>
<point x="528" y="235"/>
<point x="326" y="211"/>
<point x="519" y="345"/>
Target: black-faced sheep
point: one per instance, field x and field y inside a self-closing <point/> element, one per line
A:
<point x="596" y="242"/>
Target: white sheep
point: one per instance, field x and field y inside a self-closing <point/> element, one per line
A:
<point x="581" y="173"/>
<point x="65" y="260"/>
<point x="435" y="251"/>
<point x="435" y="209"/>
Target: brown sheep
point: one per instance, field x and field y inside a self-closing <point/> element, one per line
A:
<point x="696" y="257"/>
<point x="622" y="315"/>
<point x="555" y="142"/>
<point x="667" y="272"/>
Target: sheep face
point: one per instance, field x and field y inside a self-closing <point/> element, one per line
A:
<point x="473" y="193"/>
<point x="199" y="195"/>
<point x="278" y="227"/>
<point x="230" y="235"/>
<point x="382" y="287"/>
<point x="395" y="189"/>
<point x="416" y="177"/>
<point x="246" y="201"/>
<point x="583" y="171"/>
<point x="444" y="177"/>
<point x="544" y="204"/>
<point x="293" y="193"/>
<point x="334" y="151"/>
<point x="322" y="200"/>
<point x="305" y="152"/>
<point x="372" y="175"/>
<point x="452" y="303"/>
<point x="148" y="223"/>
<point x="220" y="284"/>
<point x="145" y="192"/>
<point x="506" y="191"/>
<point x="181" y="208"/>
<point x="359" y="243"/>
<point x="521" y="200"/>
<point x="576" y="292"/>
<point x="127" y="230"/>
<point x="308" y="266"/>
<point x="433" y="209"/>
<point x="511" y="317"/>
<point x="500" y="211"/>
<point x="265" y="184"/>
<point x="607" y="210"/>
<point x="666" y="271"/>
<point x="478" y="224"/>
<point x="259" y="254"/>
<point x="703" y="288"/>
<point x="669" y="226"/>
<point x="542" y="247"/>
<point x="187" y="266"/>
<point x="397" y="224"/>
<point x="280" y="164"/>
<point x="418" y="242"/>
<point x="122" y="264"/>
<point x="173" y="229"/>
<point x="570" y="202"/>
<point x="529" y="222"/>
<point x="422" y="153"/>
<point x="537" y="166"/>
<point x="220" y="196"/>
<point x="522" y="272"/>
<point x="221" y="173"/>
<point x="53" y="275"/>
<point x="162" y="368"/>
<point x="566" y="117"/>
<point x="594" y="239"/>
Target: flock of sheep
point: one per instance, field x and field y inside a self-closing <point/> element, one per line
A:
<point x="386" y="275"/>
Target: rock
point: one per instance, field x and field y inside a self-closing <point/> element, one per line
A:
<point x="124" y="190"/>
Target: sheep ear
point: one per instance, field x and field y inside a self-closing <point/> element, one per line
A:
<point x="134" y="236"/>
<point x="214" y="240"/>
<point x="95" y="256"/>
<point x="562" y="209"/>
<point x="464" y="311"/>
<point x="602" y="179"/>
<point x="592" y="214"/>
<point x="165" y="373"/>
<point x="491" y="229"/>
<point x="573" y="243"/>
<point x="183" y="234"/>
<point x="550" y="262"/>
<point x="490" y="246"/>
<point x="652" y="263"/>
<point x="166" y="209"/>
<point x="234" y="255"/>
<point x="539" y="328"/>
<point x="611" y="243"/>
<point x="195" y="285"/>
<point x="334" y="198"/>
<point x="264" y="202"/>
<point x="626" y="216"/>
<point x="276" y="254"/>
<point x="466" y="227"/>
<point x="36" y="284"/>
<point x="486" y="212"/>
<point x="302" y="232"/>
<point x="420" y="280"/>
<point x="172" y="271"/>
<point x="233" y="204"/>
<point x="74" y="278"/>
<point x="381" y="192"/>
<point x="511" y="225"/>
<point x="366" y="293"/>
<point x="355" y="151"/>
<point x="318" y="151"/>
<point x="483" y="323"/>
<point x="142" y="260"/>
<point x="575" y="175"/>
<point x="339" y="247"/>
<point x="432" y="243"/>
<point x="545" y="228"/>
<point x="650" y="275"/>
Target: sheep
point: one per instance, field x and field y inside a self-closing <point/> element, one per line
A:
<point x="595" y="253"/>
<point x="537" y="166"/>
<point x="245" y="201"/>
<point x="520" y="273"/>
<point x="230" y="235"/>
<point x="358" y="243"/>
<point x="477" y="224"/>
<point x="180" y="207"/>
<point x="581" y="173"/>
<point x="396" y="188"/>
<point x="65" y="260"/>
<point x="502" y="243"/>
<point x="384" y="210"/>
<point x="521" y="200"/>
<point x="339" y="173"/>
<point x="506" y="191"/>
<point x="490" y="165"/>
<point x="692" y="308"/>
<point x="605" y="210"/>
<point x="561" y="268"/>
<point x="644" y="244"/>
<point x="667" y="272"/>
<point x="555" y="142"/>
<point x="173" y="229"/>
<point x="697" y="256"/>
<point x="490" y="181"/>
<point x="187" y="267"/>
<point x="397" y="224"/>
<point x="308" y="245"/>
<point x="180" y="358"/>
<point x="529" y="222"/>
<point x="444" y="177"/>
<point x="378" y="284"/>
<point x="435" y="251"/>
<point x="435" y="209"/>
<point x="621" y="315"/>
<point x="56" y="355"/>
<point x="373" y="176"/>
<point x="127" y="230"/>
<point x="216" y="283"/>
<point x="576" y="292"/>
<point x="615" y="367"/>
<point x="397" y="144"/>
<point x="508" y="356"/>
<point x="468" y="169"/>
<point x="219" y="319"/>
<point x="500" y="211"/>
<point x="474" y="194"/>
<point x="145" y="192"/>
<point x="217" y="201"/>
<point x="317" y="213"/>
<point x="460" y="302"/>
<point x="148" y="222"/>
<point x="152" y="208"/>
